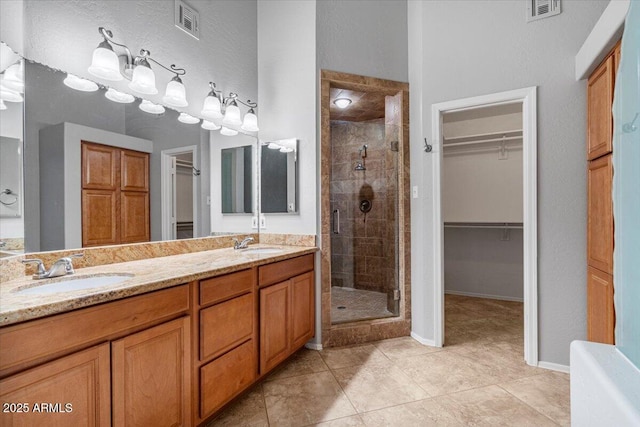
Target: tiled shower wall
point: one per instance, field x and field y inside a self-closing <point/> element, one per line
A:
<point x="364" y="253"/>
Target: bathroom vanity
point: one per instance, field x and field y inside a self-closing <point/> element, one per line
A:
<point x="170" y="346"/>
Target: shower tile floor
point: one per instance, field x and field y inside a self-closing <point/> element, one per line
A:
<point x="358" y="304"/>
<point x="478" y="378"/>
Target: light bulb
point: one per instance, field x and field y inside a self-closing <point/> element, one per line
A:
<point x="143" y="79"/>
<point x="232" y="115"/>
<point x="105" y="63"/>
<point x="77" y="83"/>
<point x="188" y="119"/>
<point x="211" y="107"/>
<point x="150" y="107"/>
<point x="206" y="124"/>
<point x="13" y="77"/>
<point x="250" y="123"/>
<point x="228" y="132"/>
<point x="175" y="95"/>
<point x="120" y="97"/>
<point x="342" y="102"/>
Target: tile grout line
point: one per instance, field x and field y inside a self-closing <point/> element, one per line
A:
<point x="544" y="415"/>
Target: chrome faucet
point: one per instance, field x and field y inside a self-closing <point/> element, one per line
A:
<point x="61" y="267"/>
<point x="237" y="244"/>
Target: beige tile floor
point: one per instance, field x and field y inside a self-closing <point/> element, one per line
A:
<point x="478" y="378"/>
<point x="357" y="304"/>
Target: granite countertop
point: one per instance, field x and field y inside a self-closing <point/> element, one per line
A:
<point x="148" y="275"/>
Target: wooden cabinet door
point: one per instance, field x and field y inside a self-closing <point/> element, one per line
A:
<point x="302" y="309"/>
<point x="75" y="388"/>
<point x="274" y="325"/>
<point x="600" y="309"/>
<point x="151" y="377"/>
<point x="99" y="218"/>
<point x="134" y="168"/>
<point x="599" y="117"/>
<point x="100" y="166"/>
<point x="134" y="217"/>
<point x="600" y="215"/>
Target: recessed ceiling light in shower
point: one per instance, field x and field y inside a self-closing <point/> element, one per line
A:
<point x="342" y="102"/>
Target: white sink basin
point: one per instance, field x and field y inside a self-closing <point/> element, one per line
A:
<point x="261" y="251"/>
<point x="70" y="284"/>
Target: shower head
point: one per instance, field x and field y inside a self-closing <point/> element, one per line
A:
<point x="360" y="167"/>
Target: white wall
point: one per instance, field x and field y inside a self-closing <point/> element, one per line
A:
<point x="468" y="48"/>
<point x="287" y="90"/>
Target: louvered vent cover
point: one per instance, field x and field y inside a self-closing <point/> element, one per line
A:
<point x="538" y="9"/>
<point x="187" y="19"/>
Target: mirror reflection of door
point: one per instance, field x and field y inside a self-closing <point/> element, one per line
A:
<point x="179" y="219"/>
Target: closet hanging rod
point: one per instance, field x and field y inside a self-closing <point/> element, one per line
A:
<point x="518" y="132"/>
<point x="482" y="141"/>
<point x="500" y="225"/>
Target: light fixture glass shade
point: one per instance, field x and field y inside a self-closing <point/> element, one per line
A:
<point x="3" y="106"/>
<point x="143" y="80"/>
<point x="211" y="107"/>
<point x="286" y="150"/>
<point x="120" y="97"/>
<point x="342" y="102"/>
<point x="175" y="95"/>
<point x="206" y="124"/>
<point x="228" y="132"/>
<point x="274" y="146"/>
<point x="77" y="83"/>
<point x="105" y="63"/>
<point x="13" y="77"/>
<point x="250" y="122"/>
<point x="9" y="95"/>
<point x="188" y="119"/>
<point x="232" y="115"/>
<point x="150" y="107"/>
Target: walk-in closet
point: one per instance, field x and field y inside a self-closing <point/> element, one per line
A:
<point x="482" y="210"/>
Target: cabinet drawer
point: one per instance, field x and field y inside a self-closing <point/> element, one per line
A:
<point x="279" y="271"/>
<point x="224" y="287"/>
<point x="30" y="343"/>
<point x="225" y="325"/>
<point x="222" y="379"/>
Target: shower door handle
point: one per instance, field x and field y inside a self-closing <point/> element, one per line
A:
<point x="336" y="221"/>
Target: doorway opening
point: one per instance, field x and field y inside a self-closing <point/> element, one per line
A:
<point x="364" y="168"/>
<point x="485" y="204"/>
<point x="179" y="193"/>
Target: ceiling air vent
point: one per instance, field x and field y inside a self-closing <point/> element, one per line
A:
<point x="538" y="9"/>
<point x="187" y="19"/>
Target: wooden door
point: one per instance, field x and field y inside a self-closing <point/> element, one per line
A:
<point x="600" y="309"/>
<point x="71" y="391"/>
<point x="134" y="167"/>
<point x="274" y="325"/>
<point x="134" y="217"/>
<point x="599" y="117"/>
<point x="302" y="309"/>
<point x="100" y="166"/>
<point x="600" y="215"/>
<point x="151" y="377"/>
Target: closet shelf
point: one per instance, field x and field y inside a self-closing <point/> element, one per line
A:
<point x="482" y="136"/>
<point x="500" y="225"/>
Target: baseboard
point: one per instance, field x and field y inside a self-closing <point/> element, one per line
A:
<point x="313" y="346"/>
<point x="472" y="294"/>
<point x="422" y="341"/>
<point x="554" y="367"/>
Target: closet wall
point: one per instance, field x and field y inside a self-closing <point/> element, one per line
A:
<point x="482" y="190"/>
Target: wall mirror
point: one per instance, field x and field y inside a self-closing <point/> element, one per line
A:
<point x="49" y="102"/>
<point x="279" y="176"/>
<point x="236" y="178"/>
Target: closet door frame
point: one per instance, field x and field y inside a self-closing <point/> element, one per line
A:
<point x="526" y="96"/>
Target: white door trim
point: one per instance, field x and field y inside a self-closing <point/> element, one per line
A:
<point x="165" y="189"/>
<point x="526" y="96"/>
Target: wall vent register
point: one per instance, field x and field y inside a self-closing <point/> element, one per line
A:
<point x="187" y="19"/>
<point x="538" y="9"/>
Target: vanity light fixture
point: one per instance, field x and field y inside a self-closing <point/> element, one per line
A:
<point x="175" y="94"/>
<point x="105" y="63"/>
<point x="150" y="107"/>
<point x="206" y="124"/>
<point x="13" y="77"/>
<point x="212" y="106"/>
<point x="78" y="83"/>
<point x="3" y="106"/>
<point x="250" y="122"/>
<point x="188" y="119"/>
<point x="286" y="150"/>
<point x="120" y="97"/>
<point x="228" y="132"/>
<point x="232" y="114"/>
<point x="342" y="102"/>
<point x="9" y="95"/>
<point x="274" y="146"/>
